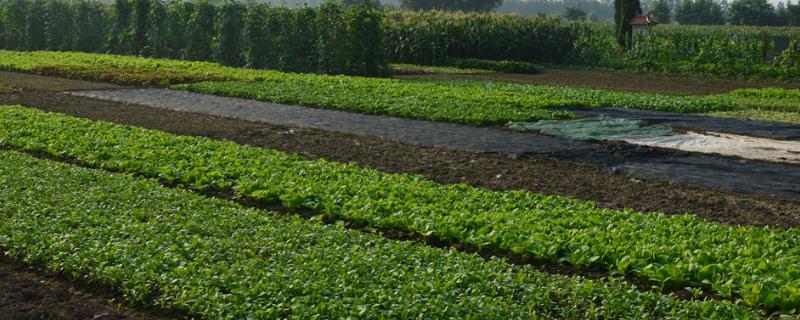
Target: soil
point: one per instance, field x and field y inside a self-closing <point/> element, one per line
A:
<point x="482" y="170"/>
<point x="623" y="81"/>
<point x="28" y="294"/>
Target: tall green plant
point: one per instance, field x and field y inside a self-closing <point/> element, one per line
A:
<point x="259" y="47"/>
<point x="200" y="32"/>
<point x="91" y="25"/>
<point x="624" y="11"/>
<point x="228" y="45"/>
<point x="118" y="41"/>
<point x="365" y="41"/>
<point x="34" y="26"/>
<point x="179" y="14"/>
<point x="140" y="25"/>
<point x="15" y="15"/>
<point x="58" y="25"/>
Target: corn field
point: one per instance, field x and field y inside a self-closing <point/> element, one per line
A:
<point x="360" y="40"/>
<point x="330" y="39"/>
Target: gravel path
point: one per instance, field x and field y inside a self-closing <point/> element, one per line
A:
<point x="639" y="162"/>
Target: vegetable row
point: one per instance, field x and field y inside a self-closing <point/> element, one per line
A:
<point x="756" y="264"/>
<point x="454" y="101"/>
<point x="211" y="258"/>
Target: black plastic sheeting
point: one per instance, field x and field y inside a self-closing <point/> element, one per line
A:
<point x="754" y="177"/>
<point x="763" y="129"/>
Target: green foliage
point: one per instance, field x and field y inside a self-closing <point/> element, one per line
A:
<point x="756" y="264"/>
<point x="200" y="32"/>
<point x="574" y="13"/>
<point x="140" y="25"/>
<point x="661" y="11"/>
<point x="227" y="47"/>
<point x="451" y="5"/>
<point x="699" y="12"/>
<point x="15" y="24"/>
<point x="259" y="48"/>
<point x="287" y="39"/>
<point x="752" y="12"/>
<point x="58" y="25"/>
<point x="34" y="27"/>
<point x="430" y="38"/>
<point x="90" y="25"/>
<point x="214" y="259"/>
<point x="624" y="11"/>
<point x="119" y="37"/>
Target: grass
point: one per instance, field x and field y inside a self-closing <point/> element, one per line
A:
<point x="756" y="265"/>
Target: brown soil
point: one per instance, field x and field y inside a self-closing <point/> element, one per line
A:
<point x="536" y="175"/>
<point x="27" y="294"/>
<point x="624" y="81"/>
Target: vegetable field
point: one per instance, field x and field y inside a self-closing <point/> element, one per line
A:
<point x="242" y="161"/>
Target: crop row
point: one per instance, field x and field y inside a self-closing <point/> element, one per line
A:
<point x="756" y="264"/>
<point x="461" y="102"/>
<point x="212" y="258"/>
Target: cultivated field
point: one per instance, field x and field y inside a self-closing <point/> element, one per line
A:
<point x="262" y="180"/>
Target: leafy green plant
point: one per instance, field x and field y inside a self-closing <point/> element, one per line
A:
<point x="755" y="264"/>
<point x="214" y="259"/>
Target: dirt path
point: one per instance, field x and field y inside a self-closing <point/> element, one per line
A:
<point x="500" y="173"/>
<point x="27" y="294"/>
<point x="623" y="81"/>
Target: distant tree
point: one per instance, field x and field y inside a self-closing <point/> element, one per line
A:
<point x="372" y="3"/>
<point x="661" y="11"/>
<point x="752" y="12"/>
<point x="574" y="13"/>
<point x="452" y="5"/>
<point x="624" y="11"/>
<point x="782" y="15"/>
<point x="794" y="13"/>
<point x="593" y="17"/>
<point x="603" y="10"/>
<point x="702" y="12"/>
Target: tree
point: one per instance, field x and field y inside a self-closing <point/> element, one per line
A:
<point x="624" y="11"/>
<point x="574" y="13"/>
<point x="752" y="12"/>
<point x="782" y="16"/>
<point x="451" y="5"/>
<point x="702" y="12"/>
<point x="794" y="13"/>
<point x="661" y="11"/>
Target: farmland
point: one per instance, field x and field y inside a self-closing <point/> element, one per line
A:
<point x="191" y="160"/>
